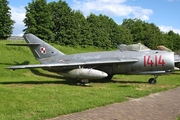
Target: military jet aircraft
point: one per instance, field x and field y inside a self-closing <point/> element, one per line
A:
<point x="130" y="59"/>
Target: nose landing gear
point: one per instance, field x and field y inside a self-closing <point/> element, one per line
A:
<point x="153" y="80"/>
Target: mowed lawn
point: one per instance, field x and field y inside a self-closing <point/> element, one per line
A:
<point x="37" y="95"/>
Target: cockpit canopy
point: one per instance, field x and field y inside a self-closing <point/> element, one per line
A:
<point x="163" y="48"/>
<point x="133" y="47"/>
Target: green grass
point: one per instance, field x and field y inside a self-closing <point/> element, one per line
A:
<point x="36" y="94"/>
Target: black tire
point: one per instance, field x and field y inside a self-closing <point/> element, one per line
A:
<point x="152" y="81"/>
<point x="109" y="77"/>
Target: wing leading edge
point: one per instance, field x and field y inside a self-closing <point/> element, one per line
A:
<point x="66" y="64"/>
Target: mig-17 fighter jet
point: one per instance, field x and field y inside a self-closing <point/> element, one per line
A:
<point x="128" y="59"/>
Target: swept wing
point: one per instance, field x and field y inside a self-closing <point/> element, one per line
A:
<point x="66" y="64"/>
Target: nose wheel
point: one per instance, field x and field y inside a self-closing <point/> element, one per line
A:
<point x="153" y="80"/>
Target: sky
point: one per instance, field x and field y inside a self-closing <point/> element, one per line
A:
<point x="163" y="13"/>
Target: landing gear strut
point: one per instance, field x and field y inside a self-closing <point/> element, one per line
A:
<point x="153" y="80"/>
<point x="109" y="77"/>
<point x="84" y="82"/>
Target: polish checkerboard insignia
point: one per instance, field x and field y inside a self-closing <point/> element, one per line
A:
<point x="43" y="50"/>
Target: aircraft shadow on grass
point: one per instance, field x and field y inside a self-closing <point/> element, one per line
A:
<point x="32" y="82"/>
<point x="6" y="64"/>
<point x="23" y="63"/>
<point x="69" y="82"/>
<point x="176" y="73"/>
<point x="38" y="73"/>
<point x="16" y="63"/>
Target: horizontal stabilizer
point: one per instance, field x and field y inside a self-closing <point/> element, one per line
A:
<point x="25" y="44"/>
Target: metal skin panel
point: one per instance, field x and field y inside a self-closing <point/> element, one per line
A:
<point x="100" y="63"/>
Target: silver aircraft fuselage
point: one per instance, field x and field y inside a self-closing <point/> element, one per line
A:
<point x="144" y="62"/>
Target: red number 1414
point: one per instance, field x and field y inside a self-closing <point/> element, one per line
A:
<point x="157" y="61"/>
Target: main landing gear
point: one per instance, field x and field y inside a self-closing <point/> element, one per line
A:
<point x="153" y="80"/>
<point x="84" y="82"/>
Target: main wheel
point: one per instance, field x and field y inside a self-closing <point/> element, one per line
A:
<point x="152" y="81"/>
<point x="84" y="82"/>
<point x="109" y="77"/>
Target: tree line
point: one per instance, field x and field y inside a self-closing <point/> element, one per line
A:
<point x="6" y="23"/>
<point x="56" y="22"/>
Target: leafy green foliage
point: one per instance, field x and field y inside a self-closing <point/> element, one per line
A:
<point x="38" y="20"/>
<point x="56" y="22"/>
<point x="6" y="23"/>
<point x="150" y="35"/>
<point x="172" y="40"/>
<point x="99" y="30"/>
<point x="81" y="34"/>
<point x="61" y="16"/>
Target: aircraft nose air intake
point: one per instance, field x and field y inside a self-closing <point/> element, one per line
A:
<point x="170" y="60"/>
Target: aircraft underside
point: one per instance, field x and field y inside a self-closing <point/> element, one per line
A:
<point x="85" y="74"/>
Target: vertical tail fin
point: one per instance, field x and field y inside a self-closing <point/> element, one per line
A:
<point x="39" y="48"/>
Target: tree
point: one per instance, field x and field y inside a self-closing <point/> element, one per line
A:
<point x="172" y="40"/>
<point x="6" y="23"/>
<point x="38" y="20"/>
<point x="81" y="34"/>
<point x="122" y="35"/>
<point x="58" y="23"/>
<point x="136" y="28"/>
<point x="145" y="33"/>
<point x="61" y="14"/>
<point x="152" y="35"/>
<point x="100" y="30"/>
<point x="176" y="43"/>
